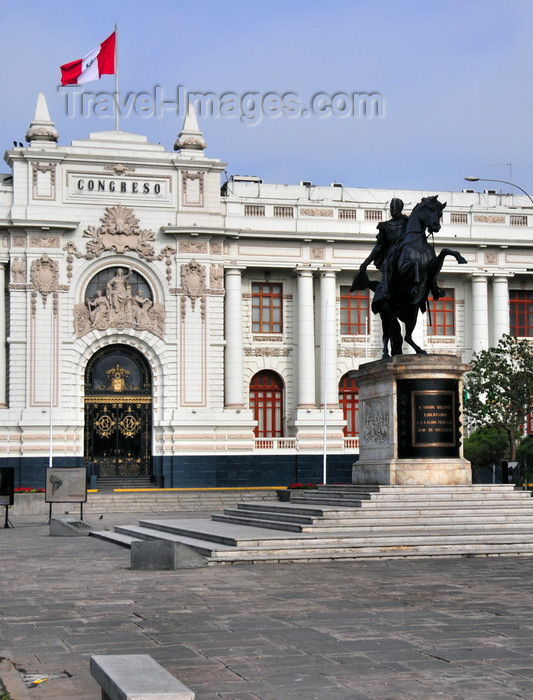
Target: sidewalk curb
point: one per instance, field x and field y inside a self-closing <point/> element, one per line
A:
<point x="12" y="681"/>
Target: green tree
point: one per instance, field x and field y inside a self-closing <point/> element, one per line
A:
<point x="524" y="454"/>
<point x="486" y="447"/>
<point x="499" y="388"/>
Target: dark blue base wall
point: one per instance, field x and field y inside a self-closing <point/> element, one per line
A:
<point x="31" y="471"/>
<point x="205" y="471"/>
<point x="195" y="471"/>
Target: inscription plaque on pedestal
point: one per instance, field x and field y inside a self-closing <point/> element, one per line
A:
<point x="428" y="418"/>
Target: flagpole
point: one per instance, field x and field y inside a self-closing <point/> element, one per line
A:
<point x="51" y="387"/>
<point x="116" y="79"/>
<point x="325" y="389"/>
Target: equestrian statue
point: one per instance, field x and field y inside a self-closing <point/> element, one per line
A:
<point x="409" y="268"/>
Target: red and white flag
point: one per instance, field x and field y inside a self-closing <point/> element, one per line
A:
<point x="100" y="61"/>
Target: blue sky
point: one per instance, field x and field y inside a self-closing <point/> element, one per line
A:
<point x="455" y="80"/>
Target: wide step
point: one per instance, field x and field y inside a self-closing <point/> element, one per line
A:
<point x="387" y="522"/>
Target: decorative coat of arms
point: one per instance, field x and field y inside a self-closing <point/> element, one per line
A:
<point x="44" y="275"/>
<point x="193" y="280"/>
<point x="120" y="232"/>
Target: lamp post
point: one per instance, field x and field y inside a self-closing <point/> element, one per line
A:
<point x="505" y="182"/>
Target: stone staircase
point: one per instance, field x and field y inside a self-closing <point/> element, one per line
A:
<point x="355" y="522"/>
<point x="171" y="500"/>
<point x="110" y="483"/>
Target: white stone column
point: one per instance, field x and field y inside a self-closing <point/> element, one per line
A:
<point x="233" y="357"/>
<point x="480" y="313"/>
<point x="3" y="339"/>
<point x="500" y="308"/>
<point x="305" y="350"/>
<point x="329" y="392"/>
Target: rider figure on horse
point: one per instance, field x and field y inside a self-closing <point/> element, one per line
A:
<point x="389" y="233"/>
<point x="383" y="255"/>
<point x="409" y="268"/>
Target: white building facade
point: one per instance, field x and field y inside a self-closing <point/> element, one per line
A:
<point x="157" y="324"/>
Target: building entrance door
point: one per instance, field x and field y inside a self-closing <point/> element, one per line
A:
<point x="118" y="413"/>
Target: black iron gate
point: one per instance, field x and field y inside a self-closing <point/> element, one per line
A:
<point x="119" y="442"/>
<point x="118" y="413"/>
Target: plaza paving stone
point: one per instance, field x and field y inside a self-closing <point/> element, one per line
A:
<point x="457" y="628"/>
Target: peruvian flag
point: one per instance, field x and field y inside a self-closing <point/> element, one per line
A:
<point x="100" y="61"/>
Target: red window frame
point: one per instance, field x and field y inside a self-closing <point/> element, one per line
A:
<point x="267" y="307"/>
<point x="349" y="402"/>
<point x="521" y="313"/>
<point x="266" y="402"/>
<point x="354" y="311"/>
<point x="442" y="314"/>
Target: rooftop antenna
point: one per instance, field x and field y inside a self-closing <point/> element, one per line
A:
<point x="509" y="165"/>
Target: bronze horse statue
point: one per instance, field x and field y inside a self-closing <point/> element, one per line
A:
<point x="412" y="269"/>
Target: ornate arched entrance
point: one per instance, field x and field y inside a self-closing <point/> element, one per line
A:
<point x="118" y="413"/>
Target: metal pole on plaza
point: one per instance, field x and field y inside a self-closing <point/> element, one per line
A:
<point x="117" y="111"/>
<point x="51" y="426"/>
<point x="324" y="389"/>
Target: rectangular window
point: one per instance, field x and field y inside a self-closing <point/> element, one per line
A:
<point x="283" y="212"/>
<point x="348" y="214"/>
<point x="518" y="220"/>
<point x="521" y="313"/>
<point x="442" y="314"/>
<point x="458" y="218"/>
<point x="373" y="215"/>
<point x="254" y="210"/>
<point x="267" y="307"/>
<point x="354" y="311"/>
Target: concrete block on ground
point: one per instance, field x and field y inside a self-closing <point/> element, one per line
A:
<point x="69" y="527"/>
<point x="157" y="555"/>
<point x="136" y="677"/>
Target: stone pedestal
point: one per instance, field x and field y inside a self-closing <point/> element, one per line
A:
<point x="410" y="427"/>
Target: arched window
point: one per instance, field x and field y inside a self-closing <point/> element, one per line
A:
<point x="119" y="297"/>
<point x="103" y="282"/>
<point x="101" y="377"/>
<point x="266" y="402"/>
<point x="349" y="402"/>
